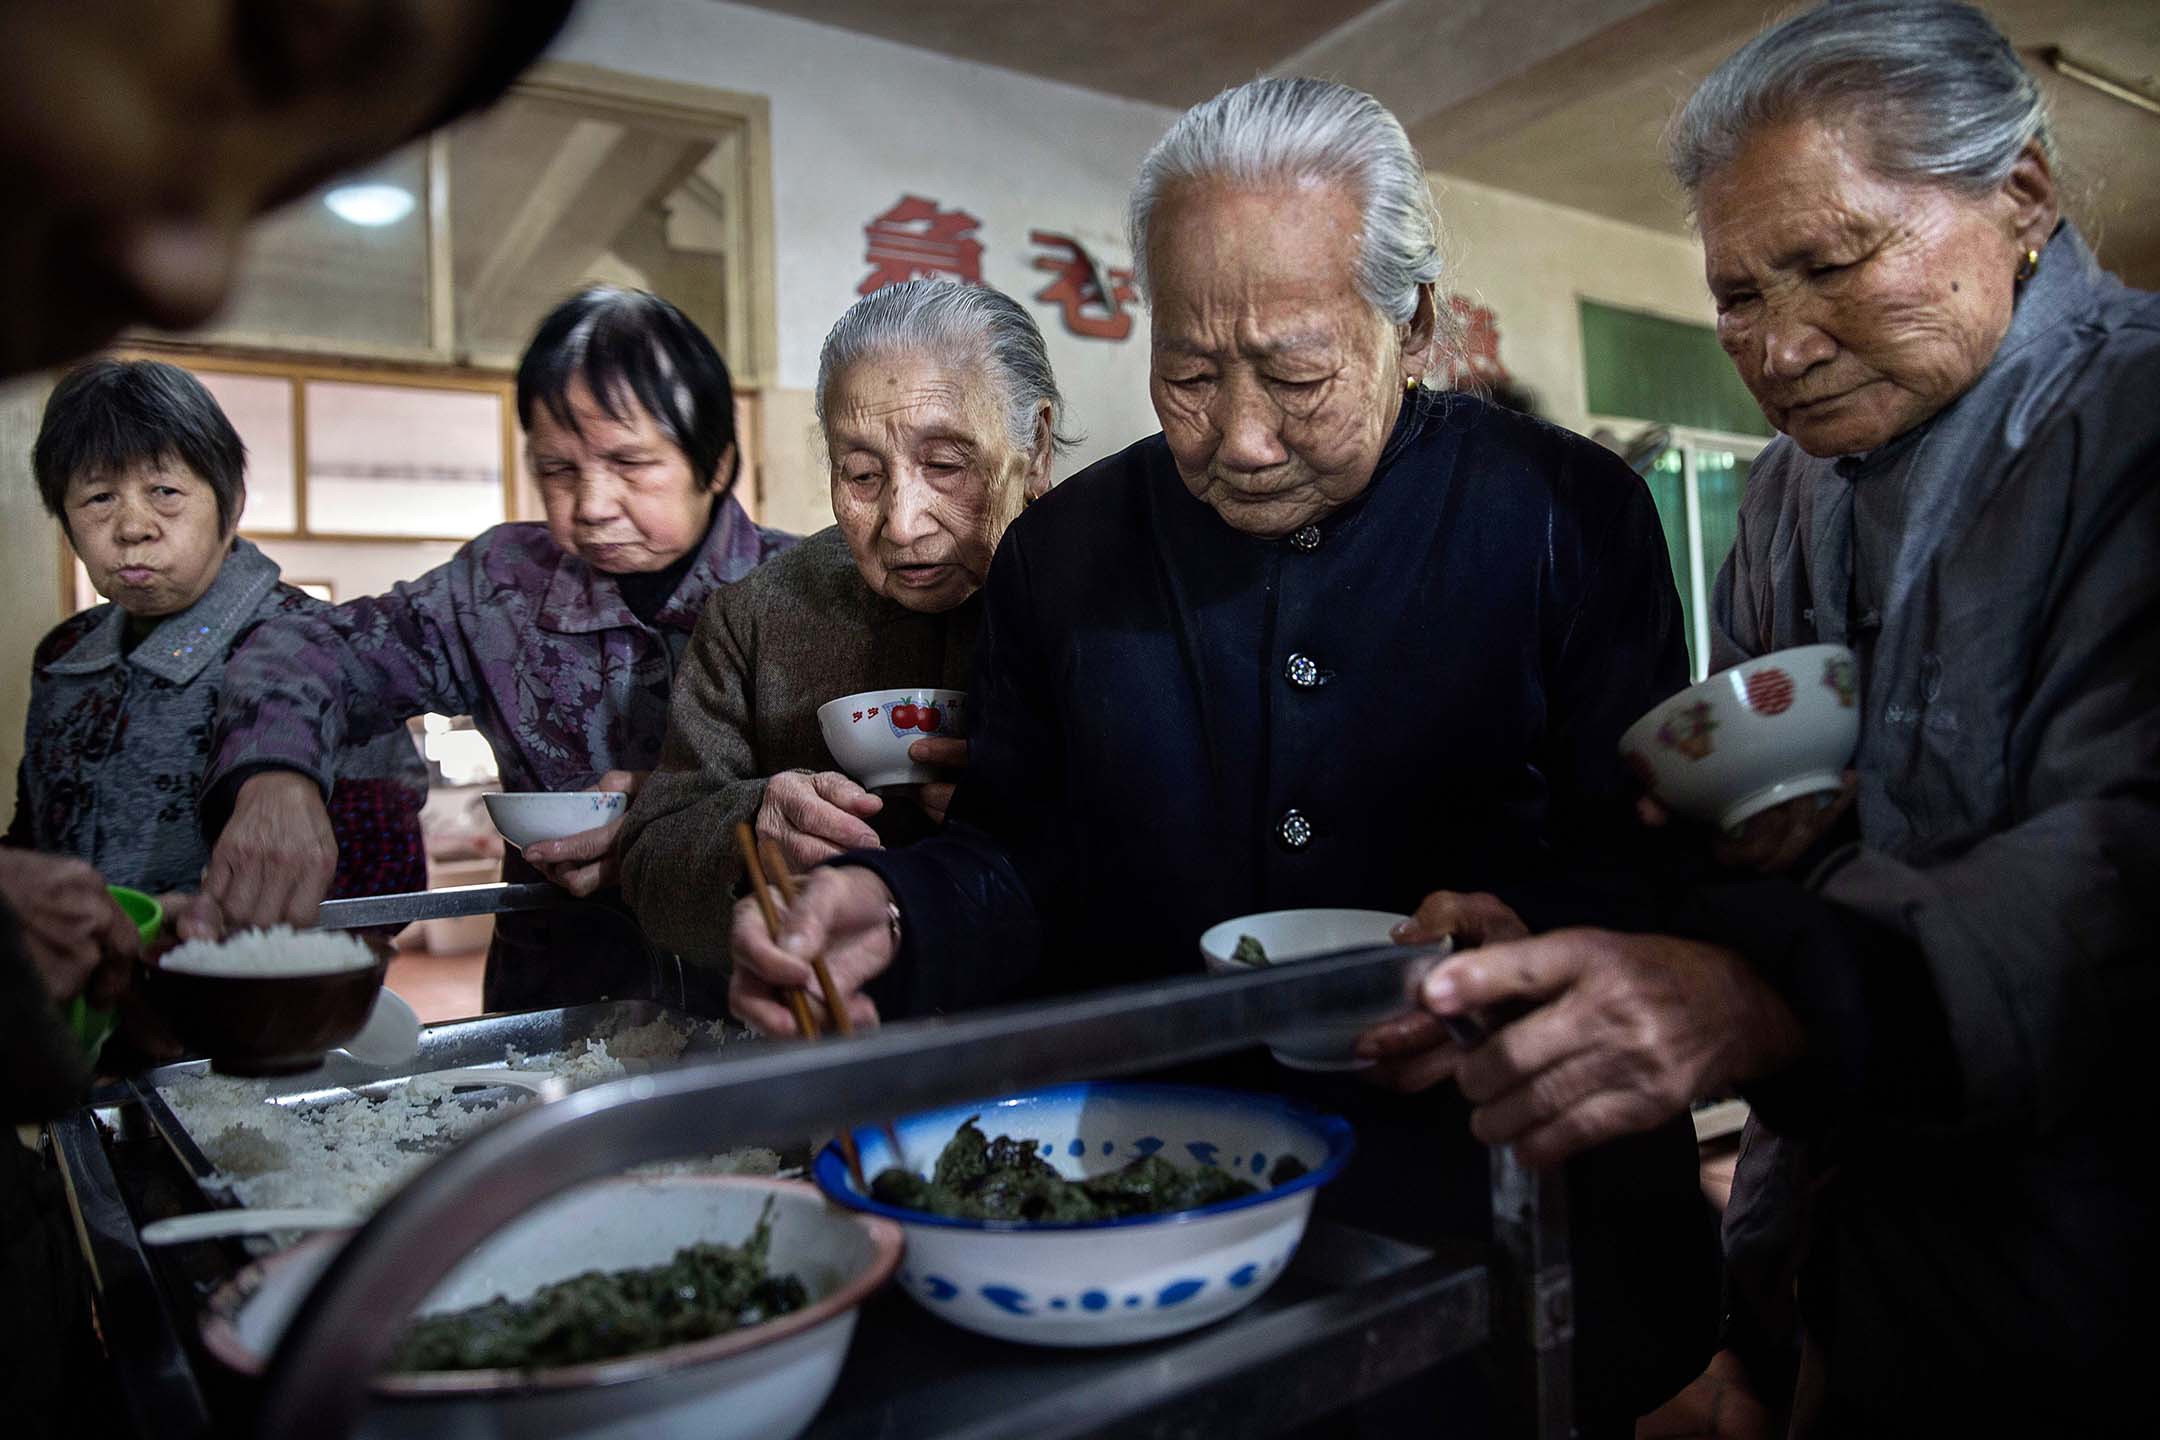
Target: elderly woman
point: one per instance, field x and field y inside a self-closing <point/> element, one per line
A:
<point x="1942" y="1024"/>
<point x="940" y="415"/>
<point x="1325" y="640"/>
<point x="147" y="477"/>
<point x="560" y="639"/>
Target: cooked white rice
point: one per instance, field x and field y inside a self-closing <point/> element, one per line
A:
<point x="352" y="1154"/>
<point x="280" y="950"/>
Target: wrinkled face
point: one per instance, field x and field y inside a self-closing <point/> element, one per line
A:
<point x="925" y="476"/>
<point x="137" y="137"/>
<point x="619" y="494"/>
<point x="1276" y="382"/>
<point x="1856" y="306"/>
<point x="149" y="535"/>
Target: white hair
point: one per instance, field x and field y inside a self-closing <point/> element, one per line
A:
<point x="969" y="323"/>
<point x="1937" y="90"/>
<point x="1290" y="128"/>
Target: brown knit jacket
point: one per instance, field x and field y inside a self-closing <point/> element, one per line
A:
<point x="797" y="631"/>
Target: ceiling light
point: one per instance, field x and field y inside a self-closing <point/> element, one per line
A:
<point x="370" y="204"/>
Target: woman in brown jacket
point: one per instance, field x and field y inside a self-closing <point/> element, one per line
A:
<point x="941" y="419"/>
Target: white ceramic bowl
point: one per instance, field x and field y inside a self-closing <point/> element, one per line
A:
<point x="1119" y="1281"/>
<point x="532" y="816"/>
<point x="761" y="1383"/>
<point x="1771" y="729"/>
<point x="869" y="733"/>
<point x="1291" y="935"/>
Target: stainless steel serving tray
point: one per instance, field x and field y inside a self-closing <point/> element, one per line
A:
<point x="459" y="1044"/>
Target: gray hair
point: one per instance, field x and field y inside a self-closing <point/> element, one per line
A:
<point x="1303" y="130"/>
<point x="1936" y="86"/>
<point x="969" y="323"/>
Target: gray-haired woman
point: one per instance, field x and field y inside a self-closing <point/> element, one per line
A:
<point x="1942" y="1009"/>
<point x="1327" y="640"/>
<point x="941" y="419"/>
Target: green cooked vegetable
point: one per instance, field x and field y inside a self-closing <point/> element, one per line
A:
<point x="705" y="1290"/>
<point x="977" y="1178"/>
<point x="1249" y="951"/>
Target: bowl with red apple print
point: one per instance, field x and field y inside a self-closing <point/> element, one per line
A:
<point x="869" y="733"/>
<point x="1768" y="730"/>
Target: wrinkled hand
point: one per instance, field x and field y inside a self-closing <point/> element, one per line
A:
<point x="1415" y="1051"/>
<point x="190" y="916"/>
<point x="946" y="753"/>
<point x="79" y="939"/>
<point x="1628" y="1030"/>
<point x="588" y="862"/>
<point x="275" y="861"/>
<point x="839" y="911"/>
<point x="1771" y="841"/>
<point x="1719" y="1404"/>
<point x="814" y="817"/>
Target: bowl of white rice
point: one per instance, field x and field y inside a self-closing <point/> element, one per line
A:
<point x="267" y="1002"/>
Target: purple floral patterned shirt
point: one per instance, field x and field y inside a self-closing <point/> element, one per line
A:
<point x="544" y="654"/>
<point x="530" y="641"/>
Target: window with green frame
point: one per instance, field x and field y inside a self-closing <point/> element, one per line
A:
<point x="1668" y="372"/>
<point x="1646" y="367"/>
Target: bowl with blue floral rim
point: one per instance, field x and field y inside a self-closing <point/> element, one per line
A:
<point x="1107" y="1281"/>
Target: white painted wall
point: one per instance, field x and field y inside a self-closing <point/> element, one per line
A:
<point x="856" y="124"/>
<point x="30" y="578"/>
<point x="1532" y="261"/>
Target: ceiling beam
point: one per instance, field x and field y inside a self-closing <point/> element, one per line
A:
<point x="1460" y="76"/>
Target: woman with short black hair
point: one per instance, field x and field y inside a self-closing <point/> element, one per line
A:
<point x="148" y="478"/>
<point x="560" y="638"/>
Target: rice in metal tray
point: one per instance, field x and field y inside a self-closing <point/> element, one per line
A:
<point x="352" y="1154"/>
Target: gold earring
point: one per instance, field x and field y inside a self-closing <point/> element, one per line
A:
<point x="1409" y="384"/>
<point x="2029" y="266"/>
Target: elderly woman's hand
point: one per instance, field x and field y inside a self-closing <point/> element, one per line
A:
<point x="1415" y="1051"/>
<point x="1628" y="1030"/>
<point x="1770" y="841"/>
<point x="191" y="916"/>
<point x="946" y="753"/>
<point x="813" y="817"/>
<point x="277" y="856"/>
<point x="841" y="912"/>
<point x="589" y="861"/>
<point x="77" y="936"/>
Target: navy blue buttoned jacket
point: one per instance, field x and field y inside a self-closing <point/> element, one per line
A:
<point x="1173" y="723"/>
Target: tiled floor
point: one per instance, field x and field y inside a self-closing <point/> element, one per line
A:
<point x="439" y="987"/>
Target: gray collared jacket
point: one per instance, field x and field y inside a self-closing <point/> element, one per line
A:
<point x="1978" y="975"/>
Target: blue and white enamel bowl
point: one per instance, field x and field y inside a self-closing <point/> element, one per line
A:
<point x="1118" y="1281"/>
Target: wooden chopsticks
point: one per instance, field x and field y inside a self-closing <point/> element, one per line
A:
<point x="766" y="866"/>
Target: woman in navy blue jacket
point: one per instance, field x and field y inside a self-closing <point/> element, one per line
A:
<point x="1329" y="639"/>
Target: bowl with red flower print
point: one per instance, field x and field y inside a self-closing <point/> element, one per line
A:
<point x="869" y="733"/>
<point x="1768" y="730"/>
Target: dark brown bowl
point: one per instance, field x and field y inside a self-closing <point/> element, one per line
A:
<point x="265" y="1024"/>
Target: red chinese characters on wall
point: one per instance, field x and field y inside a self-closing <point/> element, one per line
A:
<point x="917" y="239"/>
<point x="1092" y="295"/>
<point x="1479" y="358"/>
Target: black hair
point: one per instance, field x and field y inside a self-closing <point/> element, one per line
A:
<point x="106" y="415"/>
<point x="628" y="344"/>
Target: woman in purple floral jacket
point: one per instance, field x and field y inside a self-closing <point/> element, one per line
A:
<point x="560" y="639"/>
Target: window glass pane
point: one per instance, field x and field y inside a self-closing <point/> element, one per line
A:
<point x="549" y="196"/>
<point x="1720" y="476"/>
<point x="395" y="460"/>
<point x="312" y="275"/>
<point x="1646" y="367"/>
<point x="261" y="409"/>
<point x="1668" y="487"/>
